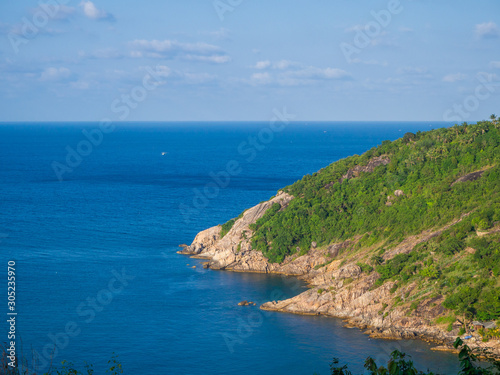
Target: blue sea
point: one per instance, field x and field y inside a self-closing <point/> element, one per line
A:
<point x="93" y="218"/>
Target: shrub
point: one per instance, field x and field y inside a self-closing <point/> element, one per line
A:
<point x="226" y="227"/>
<point x="366" y="268"/>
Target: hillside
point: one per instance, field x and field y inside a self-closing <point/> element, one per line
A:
<point x="403" y="240"/>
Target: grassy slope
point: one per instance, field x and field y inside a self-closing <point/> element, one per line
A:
<point x="424" y="166"/>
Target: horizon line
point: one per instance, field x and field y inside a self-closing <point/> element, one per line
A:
<point x="224" y="121"/>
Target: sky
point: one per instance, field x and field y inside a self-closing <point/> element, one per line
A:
<point x="228" y="60"/>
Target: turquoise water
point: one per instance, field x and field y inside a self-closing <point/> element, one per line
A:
<point x="95" y="247"/>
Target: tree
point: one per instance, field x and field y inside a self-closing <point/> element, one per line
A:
<point x="468" y="358"/>
<point x="408" y="137"/>
<point x="399" y="365"/>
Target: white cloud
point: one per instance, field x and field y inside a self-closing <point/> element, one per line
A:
<point x="290" y="73"/>
<point x="487" y="30"/>
<point x="92" y="12"/>
<point x="80" y="85"/>
<point x="161" y="46"/>
<point x="104" y="54"/>
<point x="61" y="12"/>
<point x="312" y="72"/>
<point x="48" y="31"/>
<point x="280" y="65"/>
<point x="198" y="78"/>
<point x="64" y="12"/>
<point x="490" y="77"/>
<point x="405" y="30"/>
<point x="170" y="49"/>
<point x="261" y="78"/>
<point x="411" y="70"/>
<point x="451" y="78"/>
<point x="382" y="39"/>
<point x="222" y="33"/>
<point x="55" y="74"/>
<point x="283" y="64"/>
<point x="163" y="71"/>
<point x="354" y="28"/>
<point x="178" y="76"/>
<point x="215" y="59"/>
<point x="370" y="62"/>
<point x="495" y="64"/>
<point x="262" y="64"/>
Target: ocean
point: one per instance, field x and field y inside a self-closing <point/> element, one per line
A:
<point x="93" y="215"/>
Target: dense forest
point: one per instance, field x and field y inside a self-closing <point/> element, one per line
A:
<point x="420" y="182"/>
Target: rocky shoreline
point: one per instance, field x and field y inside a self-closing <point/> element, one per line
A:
<point x="338" y="286"/>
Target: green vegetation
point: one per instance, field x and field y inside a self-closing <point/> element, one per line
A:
<point x="450" y="319"/>
<point x="366" y="268"/>
<point x="226" y="227"/>
<point x="66" y="368"/>
<point x="399" y="364"/>
<point x="326" y="210"/>
<point x="344" y="202"/>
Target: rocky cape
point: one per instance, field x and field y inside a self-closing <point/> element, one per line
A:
<point x="338" y="286"/>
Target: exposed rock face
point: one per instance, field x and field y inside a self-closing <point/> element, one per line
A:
<point x="202" y="241"/>
<point x="349" y="294"/>
<point x="392" y="198"/>
<point x="355" y="171"/>
<point x="399" y="193"/>
<point x="469" y="177"/>
<point x="234" y="252"/>
<point x="372" y="164"/>
<point x="410" y="242"/>
<point x="339" y="287"/>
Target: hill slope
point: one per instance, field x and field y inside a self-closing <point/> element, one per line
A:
<point x="404" y="239"/>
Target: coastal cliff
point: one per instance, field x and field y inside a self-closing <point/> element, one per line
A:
<point x="389" y="287"/>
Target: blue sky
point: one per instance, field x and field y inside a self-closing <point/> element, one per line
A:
<point x="165" y="60"/>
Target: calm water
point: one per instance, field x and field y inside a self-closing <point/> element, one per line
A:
<point x="125" y="208"/>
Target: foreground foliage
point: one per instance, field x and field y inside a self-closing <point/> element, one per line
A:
<point x="399" y="364"/>
<point x="66" y="368"/>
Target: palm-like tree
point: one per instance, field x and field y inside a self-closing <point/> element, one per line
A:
<point x="495" y="120"/>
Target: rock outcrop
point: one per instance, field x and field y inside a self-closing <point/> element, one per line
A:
<point x="234" y="252"/>
<point x="339" y="286"/>
<point x="469" y="177"/>
<point x="372" y="164"/>
<point x="203" y="241"/>
<point x="358" y="169"/>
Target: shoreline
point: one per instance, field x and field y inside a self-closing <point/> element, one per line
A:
<point x="342" y="281"/>
<point x="366" y="324"/>
<point x="348" y="322"/>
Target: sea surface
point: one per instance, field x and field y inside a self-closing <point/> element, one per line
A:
<point x="94" y="236"/>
